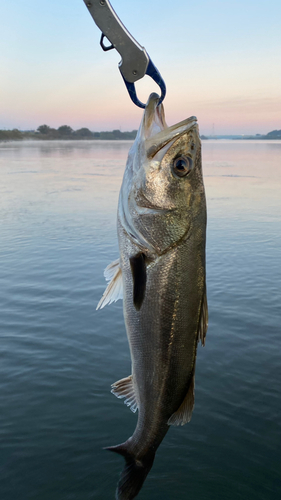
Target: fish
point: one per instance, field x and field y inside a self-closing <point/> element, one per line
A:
<point x="161" y="276"/>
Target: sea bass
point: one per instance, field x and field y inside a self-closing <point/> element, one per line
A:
<point x="161" y="276"/>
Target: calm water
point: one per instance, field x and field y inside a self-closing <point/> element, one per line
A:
<point x="59" y="356"/>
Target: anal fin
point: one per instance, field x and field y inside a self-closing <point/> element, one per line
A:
<point x="124" y="388"/>
<point x="184" y="413"/>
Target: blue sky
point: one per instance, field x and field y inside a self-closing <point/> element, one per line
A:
<point x="220" y="61"/>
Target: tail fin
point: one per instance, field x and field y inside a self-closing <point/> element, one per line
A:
<point x="133" y="474"/>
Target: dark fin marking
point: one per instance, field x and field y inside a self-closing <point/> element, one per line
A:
<point x="138" y="268"/>
<point x="184" y="413"/>
<point x="203" y="320"/>
<point x="124" y="388"/>
<point x="133" y="474"/>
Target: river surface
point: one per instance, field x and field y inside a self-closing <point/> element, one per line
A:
<point x="59" y="355"/>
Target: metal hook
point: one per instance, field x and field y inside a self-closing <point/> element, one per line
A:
<point x="153" y="72"/>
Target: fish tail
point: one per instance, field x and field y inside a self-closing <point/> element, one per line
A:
<point x="134" y="472"/>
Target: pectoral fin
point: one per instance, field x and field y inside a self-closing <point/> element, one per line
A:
<point x="203" y="321"/>
<point x="114" y="289"/>
<point x="184" y="413"/>
<point x="124" y="388"/>
<point x="138" y="268"/>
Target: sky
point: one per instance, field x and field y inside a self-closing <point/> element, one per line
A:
<point x="221" y="61"/>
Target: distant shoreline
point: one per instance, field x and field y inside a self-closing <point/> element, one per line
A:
<point x="204" y="138"/>
<point x="257" y="137"/>
<point x="46" y="133"/>
<point x="66" y="133"/>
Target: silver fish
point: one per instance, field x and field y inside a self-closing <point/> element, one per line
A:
<point x="161" y="276"/>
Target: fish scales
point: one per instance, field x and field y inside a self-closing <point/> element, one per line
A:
<point x="162" y="235"/>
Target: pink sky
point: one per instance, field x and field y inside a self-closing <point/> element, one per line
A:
<point x="221" y="63"/>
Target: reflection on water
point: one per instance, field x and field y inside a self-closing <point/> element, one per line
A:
<point x="59" y="356"/>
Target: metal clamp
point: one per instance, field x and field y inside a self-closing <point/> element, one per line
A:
<point x="153" y="72"/>
<point x="135" y="62"/>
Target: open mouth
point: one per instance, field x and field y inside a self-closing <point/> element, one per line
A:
<point x="166" y="136"/>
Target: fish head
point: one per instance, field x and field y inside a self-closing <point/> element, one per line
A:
<point x="162" y="191"/>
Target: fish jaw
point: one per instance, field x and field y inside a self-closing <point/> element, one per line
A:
<point x="151" y="196"/>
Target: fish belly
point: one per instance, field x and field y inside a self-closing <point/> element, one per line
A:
<point x="163" y="333"/>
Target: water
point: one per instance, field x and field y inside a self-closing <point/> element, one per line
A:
<point x="59" y="356"/>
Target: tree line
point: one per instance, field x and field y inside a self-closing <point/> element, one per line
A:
<point x="65" y="132"/>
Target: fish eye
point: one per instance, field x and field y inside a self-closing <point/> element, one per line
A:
<point x="182" y="166"/>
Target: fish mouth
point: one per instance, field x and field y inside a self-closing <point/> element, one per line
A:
<point x="154" y="130"/>
<point x="157" y="142"/>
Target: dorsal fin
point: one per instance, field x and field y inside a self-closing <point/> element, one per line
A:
<point x="114" y="289"/>
<point x="184" y="413"/>
<point x="124" y="388"/>
<point x="138" y="268"/>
